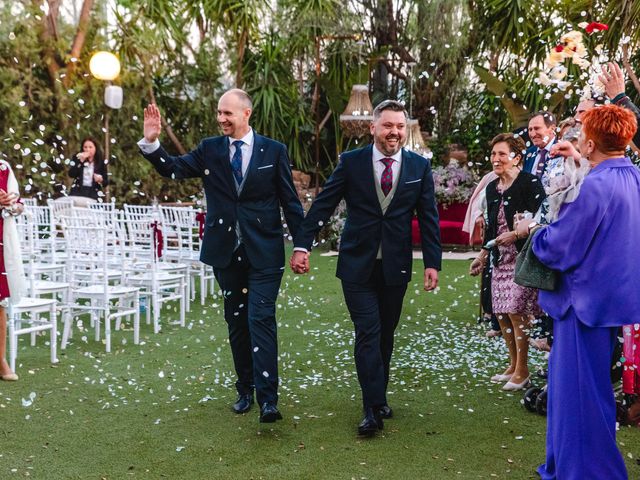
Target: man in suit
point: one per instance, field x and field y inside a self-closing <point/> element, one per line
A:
<point x="542" y="132"/>
<point x="383" y="185"/>
<point x="247" y="179"/>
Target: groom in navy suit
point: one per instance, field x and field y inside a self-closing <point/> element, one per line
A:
<point x="383" y="186"/>
<point x="247" y="179"/>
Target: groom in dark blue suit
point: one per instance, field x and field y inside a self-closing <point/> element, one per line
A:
<point x="247" y="179"/>
<point x="383" y="186"/>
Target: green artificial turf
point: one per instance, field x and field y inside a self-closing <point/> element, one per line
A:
<point x="161" y="409"/>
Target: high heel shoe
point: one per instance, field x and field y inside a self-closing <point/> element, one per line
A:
<point x="9" y="377"/>
<point x="501" y="377"/>
<point x="512" y="387"/>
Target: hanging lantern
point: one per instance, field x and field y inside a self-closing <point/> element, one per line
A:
<point x="415" y="140"/>
<point x="357" y="117"/>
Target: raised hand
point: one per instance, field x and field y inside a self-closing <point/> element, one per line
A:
<point x="299" y="262"/>
<point x="565" y="149"/>
<point x="152" y="123"/>
<point x="613" y="80"/>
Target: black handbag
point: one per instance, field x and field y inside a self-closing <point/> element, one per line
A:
<point x="531" y="272"/>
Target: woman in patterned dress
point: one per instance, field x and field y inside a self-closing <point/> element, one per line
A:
<point x="512" y="192"/>
<point x="11" y="276"/>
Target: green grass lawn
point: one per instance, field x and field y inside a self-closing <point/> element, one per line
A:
<point x="161" y="409"/>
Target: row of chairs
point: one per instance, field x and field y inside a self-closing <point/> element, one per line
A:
<point x="101" y="262"/>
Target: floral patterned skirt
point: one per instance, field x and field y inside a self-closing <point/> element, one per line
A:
<point x="506" y="295"/>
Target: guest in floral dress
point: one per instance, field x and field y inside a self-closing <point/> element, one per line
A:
<point x="514" y="191"/>
<point x="11" y="273"/>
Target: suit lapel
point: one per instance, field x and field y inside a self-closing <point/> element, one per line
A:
<point x="369" y="179"/>
<point x="257" y="157"/>
<point x="225" y="163"/>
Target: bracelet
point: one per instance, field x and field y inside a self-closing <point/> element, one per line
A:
<point x="515" y="233"/>
<point x="618" y="97"/>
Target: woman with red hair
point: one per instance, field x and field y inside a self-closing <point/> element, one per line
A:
<point x="593" y="247"/>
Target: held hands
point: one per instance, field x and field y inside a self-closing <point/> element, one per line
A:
<point x="612" y="79"/>
<point x="299" y="262"/>
<point x="430" y="279"/>
<point x="565" y="149"/>
<point x="7" y="199"/>
<point x="152" y="123"/>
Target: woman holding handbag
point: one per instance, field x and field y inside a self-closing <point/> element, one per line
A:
<point x="512" y="192"/>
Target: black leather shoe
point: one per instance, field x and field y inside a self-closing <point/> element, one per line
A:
<point x="371" y="422"/>
<point x="243" y="404"/>
<point x="269" y="413"/>
<point x="385" y="411"/>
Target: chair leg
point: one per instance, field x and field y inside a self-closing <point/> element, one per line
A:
<point x="107" y="330"/>
<point x="54" y="334"/>
<point x="156" y="312"/>
<point x="95" y="320"/>
<point x="203" y="285"/>
<point x="35" y="318"/>
<point x="136" y="320"/>
<point x="183" y="301"/>
<point x="66" y="329"/>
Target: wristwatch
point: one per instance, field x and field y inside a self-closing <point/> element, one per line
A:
<point x="531" y="225"/>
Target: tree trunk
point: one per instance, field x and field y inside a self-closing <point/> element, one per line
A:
<point x="79" y="40"/>
<point x="242" y="45"/>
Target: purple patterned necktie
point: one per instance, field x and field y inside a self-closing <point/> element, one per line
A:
<point x="236" y="161"/>
<point x="386" y="180"/>
<point x="541" y="163"/>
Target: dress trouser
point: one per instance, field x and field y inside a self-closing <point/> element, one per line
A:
<point x="581" y="419"/>
<point x="250" y="312"/>
<point x="375" y="311"/>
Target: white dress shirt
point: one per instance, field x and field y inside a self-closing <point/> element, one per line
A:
<point x="87" y="174"/>
<point x="247" y="148"/>
<point x="378" y="166"/>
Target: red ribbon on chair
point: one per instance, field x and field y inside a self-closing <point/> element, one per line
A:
<point x="200" y="217"/>
<point x="157" y="238"/>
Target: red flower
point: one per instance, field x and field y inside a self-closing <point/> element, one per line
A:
<point x="559" y="48"/>
<point x="596" y="27"/>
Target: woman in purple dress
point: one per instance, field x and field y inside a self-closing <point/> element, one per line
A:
<point x="594" y="247"/>
<point x="514" y="191"/>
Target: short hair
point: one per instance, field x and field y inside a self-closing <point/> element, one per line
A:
<point x="548" y="117"/>
<point x="392" y="105"/>
<point x="242" y="96"/>
<point x="515" y="143"/>
<point x="610" y="127"/>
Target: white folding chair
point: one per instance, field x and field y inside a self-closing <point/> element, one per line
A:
<point x="29" y="311"/>
<point x="88" y="269"/>
<point x="182" y="222"/>
<point x="145" y="269"/>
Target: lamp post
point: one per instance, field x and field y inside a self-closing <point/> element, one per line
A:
<point x="106" y="66"/>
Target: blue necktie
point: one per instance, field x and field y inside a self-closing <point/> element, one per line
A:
<point x="236" y="161"/>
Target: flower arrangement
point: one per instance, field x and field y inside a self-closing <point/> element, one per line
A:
<point x="572" y="47"/>
<point x="453" y="184"/>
